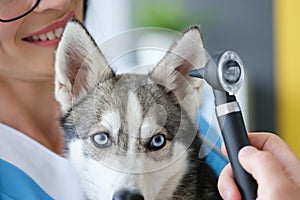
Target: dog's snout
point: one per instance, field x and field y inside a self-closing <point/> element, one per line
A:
<point x="127" y="195"/>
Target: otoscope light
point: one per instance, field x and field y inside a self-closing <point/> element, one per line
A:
<point x="224" y="72"/>
<point x="230" y="71"/>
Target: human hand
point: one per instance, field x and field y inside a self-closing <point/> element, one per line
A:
<point x="271" y="163"/>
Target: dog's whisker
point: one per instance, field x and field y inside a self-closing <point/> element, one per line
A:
<point x="91" y="182"/>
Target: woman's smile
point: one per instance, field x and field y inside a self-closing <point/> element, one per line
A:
<point x="50" y="35"/>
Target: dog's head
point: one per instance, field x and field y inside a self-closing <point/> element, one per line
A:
<point x="128" y="135"/>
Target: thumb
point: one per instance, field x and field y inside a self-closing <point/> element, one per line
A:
<point x="263" y="166"/>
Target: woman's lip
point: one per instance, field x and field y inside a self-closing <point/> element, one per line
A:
<point x="47" y="43"/>
<point x="55" y="25"/>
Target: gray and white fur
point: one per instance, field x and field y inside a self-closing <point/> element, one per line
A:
<point x="133" y="136"/>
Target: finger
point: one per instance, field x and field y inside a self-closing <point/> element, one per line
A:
<point x="227" y="186"/>
<point x="262" y="166"/>
<point x="274" y="144"/>
<point x="281" y="151"/>
<point x="288" y="161"/>
<point x="258" y="140"/>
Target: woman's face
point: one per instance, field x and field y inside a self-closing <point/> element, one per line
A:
<point x="27" y="46"/>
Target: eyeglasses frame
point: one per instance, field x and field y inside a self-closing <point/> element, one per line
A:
<point x="22" y="15"/>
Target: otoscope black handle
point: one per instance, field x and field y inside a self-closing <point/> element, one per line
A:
<point x="235" y="137"/>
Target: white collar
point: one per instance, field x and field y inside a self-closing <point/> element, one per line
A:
<point x="52" y="172"/>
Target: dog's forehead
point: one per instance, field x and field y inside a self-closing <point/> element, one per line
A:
<point x="134" y="114"/>
<point x="140" y="104"/>
<point x="138" y="117"/>
<point x="131" y="90"/>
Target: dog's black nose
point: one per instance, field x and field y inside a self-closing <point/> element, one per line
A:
<point x="127" y="195"/>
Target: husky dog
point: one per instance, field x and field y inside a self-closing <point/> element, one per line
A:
<point x="133" y="136"/>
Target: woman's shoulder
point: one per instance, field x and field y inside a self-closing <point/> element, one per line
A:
<point x="28" y="165"/>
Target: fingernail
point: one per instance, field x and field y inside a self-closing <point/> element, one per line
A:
<point x="245" y="151"/>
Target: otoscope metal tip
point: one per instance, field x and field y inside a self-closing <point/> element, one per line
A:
<point x="196" y="73"/>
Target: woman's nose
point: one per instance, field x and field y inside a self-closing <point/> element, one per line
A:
<point x="52" y="5"/>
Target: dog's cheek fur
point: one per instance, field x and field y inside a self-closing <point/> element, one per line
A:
<point x="93" y="172"/>
<point x="89" y="171"/>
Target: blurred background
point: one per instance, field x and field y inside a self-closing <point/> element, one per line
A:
<point x="265" y="34"/>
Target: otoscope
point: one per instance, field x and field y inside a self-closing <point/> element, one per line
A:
<point x="225" y="74"/>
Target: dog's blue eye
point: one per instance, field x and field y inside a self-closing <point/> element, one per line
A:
<point x="101" y="139"/>
<point x="157" y="142"/>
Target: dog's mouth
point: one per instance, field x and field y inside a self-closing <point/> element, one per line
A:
<point x="49" y="36"/>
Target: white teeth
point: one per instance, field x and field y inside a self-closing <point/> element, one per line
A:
<point x="51" y="35"/>
<point x="43" y="37"/>
<point x="58" y="32"/>
<point x="35" y="38"/>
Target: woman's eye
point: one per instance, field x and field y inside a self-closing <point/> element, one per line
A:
<point x="157" y="142"/>
<point x="101" y="139"/>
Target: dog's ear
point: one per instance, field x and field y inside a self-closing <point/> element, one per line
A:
<point x="186" y="53"/>
<point x="79" y="65"/>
